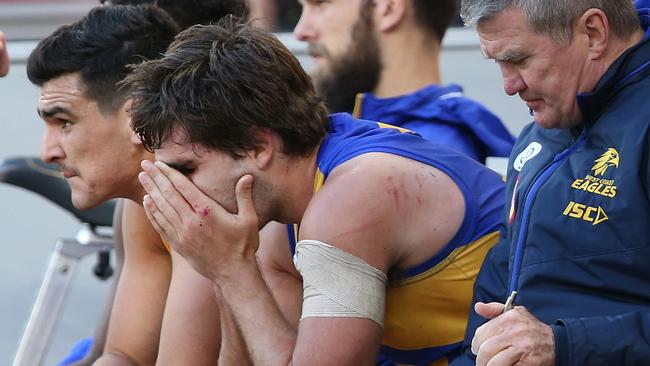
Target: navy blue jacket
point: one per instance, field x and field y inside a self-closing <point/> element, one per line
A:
<point x="577" y="240"/>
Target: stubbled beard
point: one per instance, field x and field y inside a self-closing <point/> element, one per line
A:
<point x="356" y="71"/>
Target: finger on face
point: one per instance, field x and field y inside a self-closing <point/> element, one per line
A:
<point x="244" y="196"/>
<point x="160" y="199"/>
<point x="508" y="357"/>
<point x="162" y="182"/>
<point x="492" y="347"/>
<point x="158" y="220"/>
<point x="190" y="192"/>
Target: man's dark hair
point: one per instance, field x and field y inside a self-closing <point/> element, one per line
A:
<point x="190" y="12"/>
<point x="435" y="15"/>
<point x="220" y="84"/>
<point x="100" y="47"/>
<point x="187" y="13"/>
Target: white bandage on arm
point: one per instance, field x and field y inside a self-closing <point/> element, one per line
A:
<point x="338" y="284"/>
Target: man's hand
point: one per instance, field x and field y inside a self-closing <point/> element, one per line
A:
<point x="512" y="338"/>
<point x="4" y="56"/>
<point x="215" y="241"/>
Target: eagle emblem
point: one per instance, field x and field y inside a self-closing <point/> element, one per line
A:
<point x="609" y="158"/>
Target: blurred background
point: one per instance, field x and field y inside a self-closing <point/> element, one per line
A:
<point x="29" y="225"/>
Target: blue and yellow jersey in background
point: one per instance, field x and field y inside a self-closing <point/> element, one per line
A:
<point x="428" y="306"/>
<point x="444" y="115"/>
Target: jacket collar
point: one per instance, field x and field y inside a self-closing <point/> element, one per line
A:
<point x="631" y="66"/>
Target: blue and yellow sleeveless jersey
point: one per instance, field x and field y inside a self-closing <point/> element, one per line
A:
<point x="428" y="306"/>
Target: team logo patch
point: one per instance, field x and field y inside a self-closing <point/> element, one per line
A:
<point x="609" y="158"/>
<point x="592" y="215"/>
<point x="597" y="184"/>
<point x="529" y="152"/>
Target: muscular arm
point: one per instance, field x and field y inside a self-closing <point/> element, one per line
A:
<point x="134" y="329"/>
<point x="99" y="338"/>
<point x="276" y="266"/>
<point x="369" y="217"/>
<point x="273" y="258"/>
<point x="190" y="330"/>
<point x="272" y="340"/>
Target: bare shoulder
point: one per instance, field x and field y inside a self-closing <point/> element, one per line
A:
<point x="137" y="231"/>
<point x="386" y="203"/>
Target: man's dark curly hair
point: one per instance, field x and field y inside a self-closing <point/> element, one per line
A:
<point x="219" y="84"/>
<point x="435" y="15"/>
<point x="187" y="13"/>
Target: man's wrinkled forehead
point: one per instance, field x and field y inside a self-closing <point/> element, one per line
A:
<point x="59" y="95"/>
<point x="503" y="35"/>
<point x="176" y="142"/>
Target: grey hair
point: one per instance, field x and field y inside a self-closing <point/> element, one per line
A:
<point x="556" y="18"/>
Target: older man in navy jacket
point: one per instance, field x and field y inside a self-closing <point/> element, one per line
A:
<point x="570" y="282"/>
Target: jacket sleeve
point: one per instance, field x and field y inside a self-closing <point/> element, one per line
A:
<point x="609" y="340"/>
<point x="491" y="285"/>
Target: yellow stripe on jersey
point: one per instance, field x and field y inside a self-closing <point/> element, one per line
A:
<point x="441" y="362"/>
<point x="166" y="245"/>
<point x="356" y="113"/>
<point x="358" y="101"/>
<point x="431" y="309"/>
<point x="319" y="180"/>
<point x="386" y="125"/>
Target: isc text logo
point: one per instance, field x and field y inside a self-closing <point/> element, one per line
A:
<point x="594" y="215"/>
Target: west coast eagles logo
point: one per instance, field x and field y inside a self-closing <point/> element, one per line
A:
<point x="609" y="158"/>
<point x="596" y="185"/>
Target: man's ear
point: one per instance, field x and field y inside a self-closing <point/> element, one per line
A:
<point x="134" y="138"/>
<point x="389" y="14"/>
<point x="125" y="116"/>
<point x="595" y="26"/>
<point x="266" y="145"/>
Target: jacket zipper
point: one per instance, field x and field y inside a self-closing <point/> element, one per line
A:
<point x="525" y="218"/>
